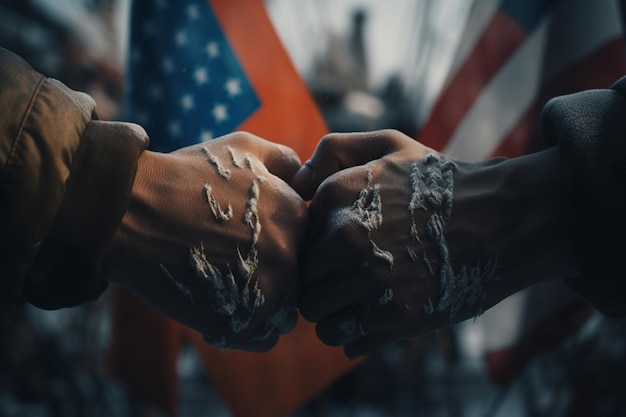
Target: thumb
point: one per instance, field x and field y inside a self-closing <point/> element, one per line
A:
<point x="338" y="151"/>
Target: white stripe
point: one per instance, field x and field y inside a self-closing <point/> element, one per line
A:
<point x="574" y="30"/>
<point x="500" y="105"/>
<point x="481" y="15"/>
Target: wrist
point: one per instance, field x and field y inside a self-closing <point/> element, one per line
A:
<point x="543" y="242"/>
<point x="514" y="210"/>
<point x="134" y="215"/>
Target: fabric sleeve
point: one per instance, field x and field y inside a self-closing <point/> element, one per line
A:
<point x="63" y="189"/>
<point x="590" y="129"/>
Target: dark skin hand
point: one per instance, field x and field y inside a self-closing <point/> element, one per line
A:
<point x="375" y="271"/>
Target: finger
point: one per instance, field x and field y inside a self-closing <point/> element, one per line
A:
<point x="375" y="314"/>
<point x="331" y="208"/>
<point x="280" y="160"/>
<point x="341" y="327"/>
<point x="333" y="294"/>
<point x="338" y="151"/>
<point x="283" y="320"/>
<point x="337" y="250"/>
<point x="374" y="342"/>
<point x="289" y="323"/>
<point x="261" y="344"/>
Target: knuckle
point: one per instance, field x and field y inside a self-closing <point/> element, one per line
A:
<point x="326" y="334"/>
<point x="287" y="152"/>
<point x="284" y="253"/>
<point x="394" y="136"/>
<point x="289" y="324"/>
<point x="331" y="190"/>
<point x="330" y="139"/>
<point x="349" y="234"/>
<point x="298" y="211"/>
<point x="391" y="133"/>
<point x="328" y="144"/>
<point x="243" y="138"/>
<point x="308" y="310"/>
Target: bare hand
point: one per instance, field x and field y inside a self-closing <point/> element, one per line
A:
<point x="402" y="240"/>
<point x="211" y="239"/>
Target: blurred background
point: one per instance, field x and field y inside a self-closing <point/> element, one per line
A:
<point x="368" y="65"/>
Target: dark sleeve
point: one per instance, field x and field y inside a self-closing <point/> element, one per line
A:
<point x="63" y="190"/>
<point x="590" y="129"/>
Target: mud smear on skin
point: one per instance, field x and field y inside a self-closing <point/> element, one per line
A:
<point x="237" y="302"/>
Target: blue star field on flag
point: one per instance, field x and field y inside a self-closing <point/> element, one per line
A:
<point x="185" y="84"/>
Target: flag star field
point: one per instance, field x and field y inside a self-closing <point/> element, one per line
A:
<point x="185" y="82"/>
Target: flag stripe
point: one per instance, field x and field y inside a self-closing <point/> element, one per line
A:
<point x="509" y="90"/>
<point x="575" y="45"/>
<point x="506" y="97"/>
<point x="482" y="13"/>
<point x="489" y="54"/>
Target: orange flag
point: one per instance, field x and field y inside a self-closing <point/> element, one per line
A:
<point x="287" y="113"/>
<point x="277" y="382"/>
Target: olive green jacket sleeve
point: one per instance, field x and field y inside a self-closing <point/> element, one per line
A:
<point x="590" y="129"/>
<point x="63" y="189"/>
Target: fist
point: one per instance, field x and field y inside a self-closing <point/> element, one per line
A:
<point x="385" y="259"/>
<point x="211" y="239"/>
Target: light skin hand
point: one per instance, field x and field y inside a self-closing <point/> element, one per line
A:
<point x="211" y="236"/>
<point x="378" y="268"/>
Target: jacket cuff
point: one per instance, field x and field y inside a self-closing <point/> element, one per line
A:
<point x="590" y="129"/>
<point x="40" y="132"/>
<point x="67" y="269"/>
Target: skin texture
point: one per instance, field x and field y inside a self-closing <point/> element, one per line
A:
<point x="503" y="233"/>
<point x="172" y="247"/>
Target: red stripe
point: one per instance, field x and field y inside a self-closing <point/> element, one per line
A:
<point x="500" y="39"/>
<point x="597" y="70"/>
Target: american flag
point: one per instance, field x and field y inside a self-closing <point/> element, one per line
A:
<point x="515" y="55"/>
<point x="186" y="84"/>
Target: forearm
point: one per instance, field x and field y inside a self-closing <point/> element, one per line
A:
<point x="516" y="207"/>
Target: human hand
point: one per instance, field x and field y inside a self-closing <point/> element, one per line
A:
<point x="402" y="240"/>
<point x="210" y="239"/>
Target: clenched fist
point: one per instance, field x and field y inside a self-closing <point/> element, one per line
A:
<point x="403" y="240"/>
<point x="211" y="236"/>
